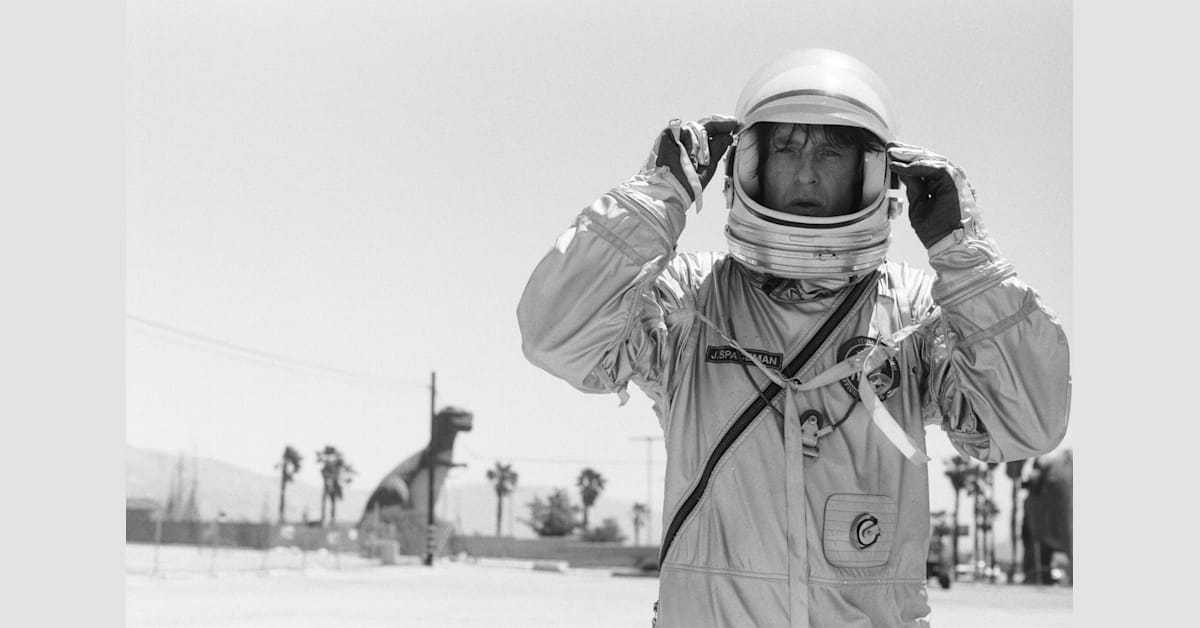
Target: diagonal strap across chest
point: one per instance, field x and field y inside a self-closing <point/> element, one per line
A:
<point x="760" y="402"/>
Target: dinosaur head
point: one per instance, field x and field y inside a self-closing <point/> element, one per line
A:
<point x="455" y="419"/>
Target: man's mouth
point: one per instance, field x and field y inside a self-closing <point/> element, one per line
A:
<point x="805" y="204"/>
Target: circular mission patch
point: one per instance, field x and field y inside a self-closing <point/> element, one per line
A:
<point x="885" y="379"/>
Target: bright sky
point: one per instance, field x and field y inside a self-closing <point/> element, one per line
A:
<point x="366" y="186"/>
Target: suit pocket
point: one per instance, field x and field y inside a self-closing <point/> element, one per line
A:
<point x="859" y="529"/>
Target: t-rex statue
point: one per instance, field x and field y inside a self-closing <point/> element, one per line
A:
<point x="402" y="496"/>
<point x="1047" y="524"/>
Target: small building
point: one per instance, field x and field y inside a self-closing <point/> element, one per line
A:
<point x="140" y="513"/>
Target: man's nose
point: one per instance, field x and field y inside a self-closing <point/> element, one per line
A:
<point x="806" y="171"/>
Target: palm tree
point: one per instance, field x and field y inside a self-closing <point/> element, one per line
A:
<point x="993" y="509"/>
<point x="990" y="510"/>
<point x="503" y="479"/>
<point x="640" y="513"/>
<point x="288" y="465"/>
<point x="979" y="486"/>
<point x="335" y="472"/>
<point x="590" y="484"/>
<point x="957" y="471"/>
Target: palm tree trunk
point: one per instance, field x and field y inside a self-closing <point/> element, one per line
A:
<point x="975" y="535"/>
<point x="282" y="495"/>
<point x="989" y="544"/>
<point x="954" y="534"/>
<point x="499" y="506"/>
<point x="992" y="545"/>
<point x="332" y="510"/>
<point x="324" y="494"/>
<point x="585" y="519"/>
<point x="975" y="551"/>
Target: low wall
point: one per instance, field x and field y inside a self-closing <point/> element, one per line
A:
<point x="240" y="534"/>
<point x="344" y="537"/>
<point x="577" y="553"/>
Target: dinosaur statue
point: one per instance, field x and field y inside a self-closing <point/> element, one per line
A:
<point x="1047" y="524"/>
<point x="401" y="499"/>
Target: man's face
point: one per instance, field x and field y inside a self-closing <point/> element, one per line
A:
<point x="805" y="174"/>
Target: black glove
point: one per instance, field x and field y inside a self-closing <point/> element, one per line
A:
<point x="938" y="192"/>
<point x="704" y="142"/>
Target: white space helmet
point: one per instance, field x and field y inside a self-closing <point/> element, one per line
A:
<point x="813" y="86"/>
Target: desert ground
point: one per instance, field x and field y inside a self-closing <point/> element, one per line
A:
<point x="197" y="587"/>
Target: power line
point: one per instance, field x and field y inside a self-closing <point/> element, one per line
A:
<point x="534" y="460"/>
<point x="562" y="461"/>
<point x="274" y="359"/>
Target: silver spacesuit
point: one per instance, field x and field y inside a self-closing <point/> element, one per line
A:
<point x="794" y="375"/>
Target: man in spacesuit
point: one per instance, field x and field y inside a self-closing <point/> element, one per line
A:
<point x="793" y="375"/>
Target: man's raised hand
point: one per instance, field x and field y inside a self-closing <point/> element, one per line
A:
<point x="703" y="141"/>
<point x="939" y="195"/>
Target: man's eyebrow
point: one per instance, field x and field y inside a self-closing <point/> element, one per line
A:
<point x="815" y="142"/>
<point x="782" y="140"/>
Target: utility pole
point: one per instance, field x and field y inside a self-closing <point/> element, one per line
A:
<point x="649" y="483"/>
<point x="429" y="540"/>
<point x="431" y="463"/>
<point x="1012" y="532"/>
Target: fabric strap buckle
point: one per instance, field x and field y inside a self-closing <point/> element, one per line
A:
<point x="813" y="425"/>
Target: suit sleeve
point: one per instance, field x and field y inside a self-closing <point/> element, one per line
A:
<point x="599" y="309"/>
<point x="998" y="357"/>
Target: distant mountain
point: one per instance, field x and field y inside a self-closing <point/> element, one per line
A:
<point x="242" y="494"/>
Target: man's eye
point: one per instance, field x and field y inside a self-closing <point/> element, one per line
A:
<point x="830" y="153"/>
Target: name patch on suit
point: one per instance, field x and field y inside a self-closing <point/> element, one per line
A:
<point x="727" y="353"/>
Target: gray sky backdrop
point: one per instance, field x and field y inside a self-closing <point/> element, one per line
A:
<point x="365" y="187"/>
